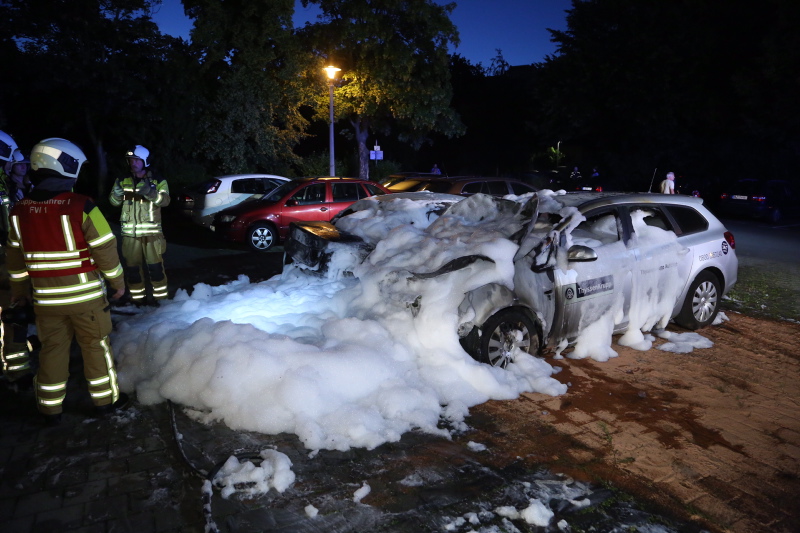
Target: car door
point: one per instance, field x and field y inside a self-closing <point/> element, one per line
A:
<point x="593" y="297"/>
<point x="307" y="204"/>
<point x="242" y="190"/>
<point x="662" y="269"/>
<point x="343" y="194"/>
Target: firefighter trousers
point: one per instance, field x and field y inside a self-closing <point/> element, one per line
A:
<point x="142" y="254"/>
<point x="91" y="329"/>
<point x="14" y="350"/>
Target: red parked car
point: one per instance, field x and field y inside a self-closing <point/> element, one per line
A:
<point x="264" y="222"/>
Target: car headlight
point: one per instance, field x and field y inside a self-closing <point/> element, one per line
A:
<point x="227" y="218"/>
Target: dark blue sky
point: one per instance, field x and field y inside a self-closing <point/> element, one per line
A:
<point x="517" y="27"/>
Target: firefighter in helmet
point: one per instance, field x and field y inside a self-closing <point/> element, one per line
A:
<point x="14" y="347"/>
<point x="142" y="194"/>
<point x="62" y="253"/>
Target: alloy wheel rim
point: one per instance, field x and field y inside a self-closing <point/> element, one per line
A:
<point x="704" y="301"/>
<point x="504" y="341"/>
<point x="262" y="238"/>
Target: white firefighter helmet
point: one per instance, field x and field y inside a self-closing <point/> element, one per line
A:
<point x="59" y="155"/>
<point x="18" y="157"/>
<point x="7" y="146"/>
<point x="140" y="152"/>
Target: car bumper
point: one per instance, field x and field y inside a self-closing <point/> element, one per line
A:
<point x="311" y="244"/>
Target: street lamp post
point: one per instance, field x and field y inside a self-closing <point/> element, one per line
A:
<point x="331" y="72"/>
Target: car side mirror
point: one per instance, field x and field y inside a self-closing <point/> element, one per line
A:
<point x="292" y="203"/>
<point x="581" y="254"/>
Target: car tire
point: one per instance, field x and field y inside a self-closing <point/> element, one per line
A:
<point x="261" y="237"/>
<point x="504" y="331"/>
<point x="702" y="302"/>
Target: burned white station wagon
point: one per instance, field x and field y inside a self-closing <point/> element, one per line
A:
<point x="536" y="272"/>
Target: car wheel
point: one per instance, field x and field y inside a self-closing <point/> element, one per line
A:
<point x="775" y="216"/>
<point x="702" y="302"/>
<point x="505" y="331"/>
<point x="261" y="237"/>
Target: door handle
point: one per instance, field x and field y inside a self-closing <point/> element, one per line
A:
<point x="323" y="208"/>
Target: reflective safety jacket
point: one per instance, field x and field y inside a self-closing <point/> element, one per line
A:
<point x="5" y="203"/>
<point x="141" y="200"/>
<point x="59" y="245"/>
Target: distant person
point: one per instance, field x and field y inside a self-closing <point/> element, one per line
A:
<point x="595" y="173"/>
<point x="436" y="170"/>
<point x="668" y="185"/>
<point x="61" y="254"/>
<point x="142" y="194"/>
<point x="576" y="174"/>
<point x="19" y="184"/>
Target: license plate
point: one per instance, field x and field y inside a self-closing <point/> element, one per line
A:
<point x="586" y="188"/>
<point x="739" y="197"/>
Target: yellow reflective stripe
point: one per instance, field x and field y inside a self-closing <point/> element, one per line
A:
<point x="71" y="288"/>
<point x="100" y="240"/>
<point x="19" y="275"/>
<point x="15" y="223"/>
<point x="107" y="392"/>
<point x="113" y="273"/>
<point x="141" y="225"/>
<point x="54" y="387"/>
<point x="56" y="401"/>
<point x="17" y="368"/>
<point x="68" y="236"/>
<point x="74" y="300"/>
<point x="16" y="355"/>
<point x="54" y="255"/>
<point x="112" y="373"/>
<point x="161" y="291"/>
<point x="137" y="291"/>
<point x="99" y="381"/>
<point x="54" y="266"/>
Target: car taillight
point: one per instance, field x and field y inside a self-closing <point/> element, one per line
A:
<point x="599" y="188"/>
<point x="187" y="198"/>
<point x="731" y="241"/>
<point x="723" y="196"/>
<point x="213" y="186"/>
<point x="760" y="198"/>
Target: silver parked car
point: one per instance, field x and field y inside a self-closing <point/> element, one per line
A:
<point x="203" y="200"/>
<point x="586" y="264"/>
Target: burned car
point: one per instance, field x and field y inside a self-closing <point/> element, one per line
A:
<point x="536" y="272"/>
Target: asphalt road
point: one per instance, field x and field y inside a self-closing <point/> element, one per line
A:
<point x="759" y="240"/>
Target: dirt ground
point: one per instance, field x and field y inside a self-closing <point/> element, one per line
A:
<point x="712" y="436"/>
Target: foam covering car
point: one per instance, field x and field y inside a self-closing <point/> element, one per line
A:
<point x="534" y="273"/>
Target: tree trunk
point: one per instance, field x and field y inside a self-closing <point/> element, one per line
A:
<point x="362" y="131"/>
<point x="100" y="167"/>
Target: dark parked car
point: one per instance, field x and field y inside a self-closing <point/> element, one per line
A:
<point x="772" y="200"/>
<point x="261" y="223"/>
<point x="464" y="186"/>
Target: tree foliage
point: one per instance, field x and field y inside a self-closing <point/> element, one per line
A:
<point x="84" y="69"/>
<point x="692" y="84"/>
<point x="394" y="61"/>
<point x="250" y="66"/>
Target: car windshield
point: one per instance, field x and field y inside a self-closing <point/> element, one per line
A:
<point x="434" y="186"/>
<point x="278" y="193"/>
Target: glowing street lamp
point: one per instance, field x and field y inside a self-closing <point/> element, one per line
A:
<point x="331" y="72"/>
